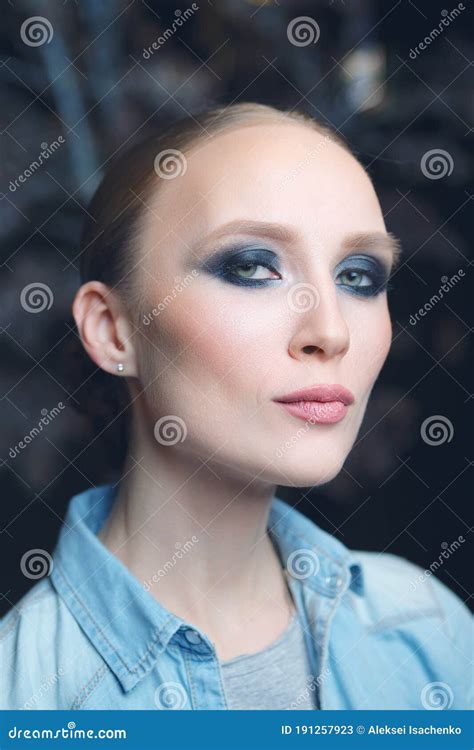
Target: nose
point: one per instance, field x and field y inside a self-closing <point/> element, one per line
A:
<point x="319" y="325"/>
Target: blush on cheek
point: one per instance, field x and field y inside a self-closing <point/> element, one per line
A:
<point x="197" y="337"/>
<point x="216" y="331"/>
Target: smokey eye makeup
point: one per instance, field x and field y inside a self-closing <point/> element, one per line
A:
<point x="257" y="266"/>
<point x="363" y="275"/>
<point x="245" y="266"/>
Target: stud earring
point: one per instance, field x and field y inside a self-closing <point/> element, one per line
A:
<point x="120" y="367"/>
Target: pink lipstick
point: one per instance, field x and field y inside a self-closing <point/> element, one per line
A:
<point x="324" y="404"/>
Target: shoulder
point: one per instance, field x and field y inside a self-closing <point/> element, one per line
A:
<point x="426" y="628"/>
<point x="46" y="658"/>
<point x="407" y="603"/>
<point x="396" y="588"/>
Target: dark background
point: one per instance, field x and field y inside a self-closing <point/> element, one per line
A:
<point x="91" y="84"/>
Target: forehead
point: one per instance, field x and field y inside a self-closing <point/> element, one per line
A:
<point x="277" y="172"/>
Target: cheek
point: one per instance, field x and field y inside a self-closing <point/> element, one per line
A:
<point x="218" y="338"/>
<point x="370" y="341"/>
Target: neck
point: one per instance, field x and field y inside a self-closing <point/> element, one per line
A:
<point x="195" y="536"/>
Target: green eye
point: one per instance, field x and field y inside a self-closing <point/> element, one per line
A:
<point x="363" y="276"/>
<point x="355" y="278"/>
<point x="248" y="270"/>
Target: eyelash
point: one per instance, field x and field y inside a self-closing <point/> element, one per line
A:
<point x="224" y="267"/>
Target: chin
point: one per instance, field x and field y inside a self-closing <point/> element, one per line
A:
<point x="312" y="471"/>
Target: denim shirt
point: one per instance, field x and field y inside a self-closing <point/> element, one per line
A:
<point x="380" y="633"/>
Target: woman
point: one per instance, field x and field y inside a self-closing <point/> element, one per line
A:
<point x="234" y="278"/>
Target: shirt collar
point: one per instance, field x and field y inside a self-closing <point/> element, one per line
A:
<point x="311" y="555"/>
<point x="109" y="603"/>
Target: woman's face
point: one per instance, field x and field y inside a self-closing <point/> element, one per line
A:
<point x="220" y="341"/>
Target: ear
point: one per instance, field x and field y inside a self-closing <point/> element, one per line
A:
<point x="104" y="328"/>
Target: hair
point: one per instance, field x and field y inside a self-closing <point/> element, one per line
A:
<point x="111" y="236"/>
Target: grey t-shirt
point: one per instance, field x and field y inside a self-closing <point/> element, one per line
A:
<point x="275" y="678"/>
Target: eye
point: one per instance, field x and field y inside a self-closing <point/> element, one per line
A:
<point x="249" y="270"/>
<point x="355" y="278"/>
<point x="245" y="267"/>
<point x="364" y="276"/>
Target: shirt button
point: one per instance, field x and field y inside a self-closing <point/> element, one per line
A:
<point x="334" y="581"/>
<point x="192" y="636"/>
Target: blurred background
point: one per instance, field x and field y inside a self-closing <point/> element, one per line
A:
<point x="81" y="80"/>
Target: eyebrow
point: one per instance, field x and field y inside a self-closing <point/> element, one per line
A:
<point x="385" y="241"/>
<point x="375" y="240"/>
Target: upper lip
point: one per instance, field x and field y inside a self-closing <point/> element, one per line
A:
<point x="323" y="392"/>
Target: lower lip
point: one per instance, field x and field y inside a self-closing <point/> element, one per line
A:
<point x="322" y="412"/>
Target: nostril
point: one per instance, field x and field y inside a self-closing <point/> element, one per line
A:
<point x="310" y="349"/>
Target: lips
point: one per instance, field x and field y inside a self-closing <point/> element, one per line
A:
<point x="325" y="404"/>
<point x="322" y="393"/>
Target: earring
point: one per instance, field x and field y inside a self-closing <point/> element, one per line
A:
<point x="120" y="367"/>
